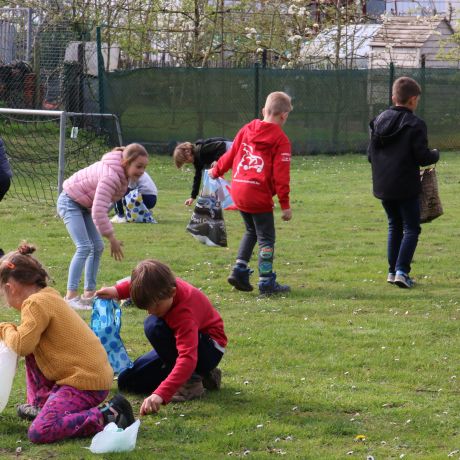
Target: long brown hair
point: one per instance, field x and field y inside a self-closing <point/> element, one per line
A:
<point x="131" y="153"/>
<point x="22" y="267"/>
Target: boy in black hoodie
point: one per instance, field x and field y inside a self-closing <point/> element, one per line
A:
<point x="397" y="149"/>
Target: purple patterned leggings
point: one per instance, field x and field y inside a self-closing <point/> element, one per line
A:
<point x="65" y="411"/>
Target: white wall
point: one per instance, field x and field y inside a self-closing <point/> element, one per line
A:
<point x="71" y="54"/>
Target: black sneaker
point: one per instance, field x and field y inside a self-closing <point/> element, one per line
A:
<point x="27" y="411"/>
<point x="119" y="411"/>
<point x="239" y="278"/>
<point x="269" y="286"/>
<point x="213" y="379"/>
<point x="403" y="280"/>
<point x="2" y="252"/>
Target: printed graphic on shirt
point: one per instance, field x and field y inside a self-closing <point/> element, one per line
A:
<point x="249" y="160"/>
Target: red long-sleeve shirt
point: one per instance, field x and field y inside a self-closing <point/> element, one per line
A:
<point x="191" y="313"/>
<point x="260" y="159"/>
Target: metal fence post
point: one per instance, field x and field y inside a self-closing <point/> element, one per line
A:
<point x="391" y="80"/>
<point x="264" y="58"/>
<point x="28" y="56"/>
<point x="61" y="161"/>
<point x="256" y="90"/>
<point x="100" y="70"/>
<point x="423" y="86"/>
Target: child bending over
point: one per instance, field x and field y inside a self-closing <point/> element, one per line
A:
<point x="143" y="191"/>
<point x="185" y="330"/>
<point x="84" y="206"/>
<point x="203" y="153"/>
<point x="67" y="370"/>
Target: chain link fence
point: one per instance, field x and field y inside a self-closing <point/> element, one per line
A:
<point x="45" y="65"/>
<point x="55" y="67"/>
<point x="332" y="109"/>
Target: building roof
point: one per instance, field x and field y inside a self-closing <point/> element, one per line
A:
<point x="408" y="31"/>
<point x="354" y="41"/>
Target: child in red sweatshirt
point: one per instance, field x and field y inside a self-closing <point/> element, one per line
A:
<point x="260" y="159"/>
<point x="185" y="330"/>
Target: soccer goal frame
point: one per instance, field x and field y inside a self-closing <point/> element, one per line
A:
<point x="63" y="119"/>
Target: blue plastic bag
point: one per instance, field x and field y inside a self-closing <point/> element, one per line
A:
<point x="106" y="324"/>
<point x="217" y="188"/>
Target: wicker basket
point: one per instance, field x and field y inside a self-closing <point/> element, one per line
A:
<point x="430" y="203"/>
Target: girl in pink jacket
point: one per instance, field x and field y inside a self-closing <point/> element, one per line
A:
<point x="84" y="204"/>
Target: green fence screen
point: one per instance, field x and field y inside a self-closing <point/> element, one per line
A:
<point x="332" y="109"/>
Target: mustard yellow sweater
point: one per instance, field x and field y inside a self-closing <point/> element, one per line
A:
<point x="66" y="350"/>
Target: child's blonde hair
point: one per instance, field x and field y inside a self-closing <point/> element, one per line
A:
<point x="131" y="153"/>
<point x="22" y="267"/>
<point x="278" y="103"/>
<point x="180" y="153"/>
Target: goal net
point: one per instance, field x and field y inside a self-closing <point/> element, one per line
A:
<point x="45" y="146"/>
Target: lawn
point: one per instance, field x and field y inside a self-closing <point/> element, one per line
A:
<point x="346" y="366"/>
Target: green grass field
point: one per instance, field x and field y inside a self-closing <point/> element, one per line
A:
<point x="344" y="355"/>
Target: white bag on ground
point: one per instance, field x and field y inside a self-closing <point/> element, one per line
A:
<point x="114" y="439"/>
<point x="8" y="364"/>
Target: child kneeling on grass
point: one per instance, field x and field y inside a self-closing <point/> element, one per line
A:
<point x="185" y="330"/>
<point x="67" y="370"/>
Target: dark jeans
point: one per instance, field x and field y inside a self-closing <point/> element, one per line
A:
<point x="403" y="231"/>
<point x="260" y="228"/>
<point x="151" y="369"/>
<point x="149" y="200"/>
<point x="4" y="186"/>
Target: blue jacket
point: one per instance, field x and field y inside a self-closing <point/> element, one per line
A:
<point x="5" y="168"/>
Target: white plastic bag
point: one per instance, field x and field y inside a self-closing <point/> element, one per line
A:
<point x="114" y="439"/>
<point x="8" y="364"/>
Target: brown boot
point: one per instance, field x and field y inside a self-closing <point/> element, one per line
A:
<point x="212" y="380"/>
<point x="192" y="389"/>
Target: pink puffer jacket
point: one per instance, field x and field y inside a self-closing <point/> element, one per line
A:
<point x="97" y="187"/>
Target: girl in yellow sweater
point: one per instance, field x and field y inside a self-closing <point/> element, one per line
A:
<point x="67" y="370"/>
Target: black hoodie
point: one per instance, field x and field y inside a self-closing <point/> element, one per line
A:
<point x="5" y="168"/>
<point x="205" y="152"/>
<point x="397" y="149"/>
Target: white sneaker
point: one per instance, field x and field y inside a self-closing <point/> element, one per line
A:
<point x="76" y="304"/>
<point x="116" y="219"/>
<point x="88" y="301"/>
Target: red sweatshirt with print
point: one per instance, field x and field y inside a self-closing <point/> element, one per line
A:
<point x="191" y="313"/>
<point x="260" y="159"/>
